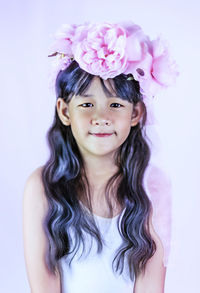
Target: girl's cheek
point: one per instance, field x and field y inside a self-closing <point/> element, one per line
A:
<point x="84" y="118"/>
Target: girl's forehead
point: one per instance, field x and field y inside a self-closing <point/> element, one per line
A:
<point x="96" y="87"/>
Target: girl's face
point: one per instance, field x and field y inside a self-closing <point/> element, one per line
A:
<point x="100" y="124"/>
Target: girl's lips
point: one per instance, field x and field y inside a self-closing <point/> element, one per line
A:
<point x="102" y="134"/>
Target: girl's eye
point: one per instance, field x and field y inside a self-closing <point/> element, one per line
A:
<point x="117" y="105"/>
<point x="85" y="105"/>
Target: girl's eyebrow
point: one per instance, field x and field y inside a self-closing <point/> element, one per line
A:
<point x="88" y="95"/>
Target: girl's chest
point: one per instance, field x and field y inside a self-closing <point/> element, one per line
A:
<point x="101" y="209"/>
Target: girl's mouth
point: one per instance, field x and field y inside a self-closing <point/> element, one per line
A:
<point x="102" y="134"/>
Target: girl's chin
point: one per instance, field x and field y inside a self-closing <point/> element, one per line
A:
<point x="103" y="153"/>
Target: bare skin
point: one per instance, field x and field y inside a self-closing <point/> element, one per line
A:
<point x="99" y="160"/>
<point x="35" y="242"/>
<point x="99" y="115"/>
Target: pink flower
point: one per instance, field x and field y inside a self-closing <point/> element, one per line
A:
<point x="59" y="64"/>
<point x="155" y="69"/>
<point x="107" y="50"/>
<point x="102" y="51"/>
<point x="135" y="45"/>
<point x="63" y="40"/>
<point x="62" y="49"/>
<point x="164" y="69"/>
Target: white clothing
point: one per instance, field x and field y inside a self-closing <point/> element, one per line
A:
<point x="93" y="273"/>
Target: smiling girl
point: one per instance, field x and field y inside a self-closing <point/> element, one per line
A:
<point x="88" y="218"/>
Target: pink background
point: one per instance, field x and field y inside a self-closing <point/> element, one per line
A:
<point x="27" y="107"/>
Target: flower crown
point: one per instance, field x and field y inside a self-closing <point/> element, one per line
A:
<point x="107" y="50"/>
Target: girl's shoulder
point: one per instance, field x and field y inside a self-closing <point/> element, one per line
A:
<point x="35" y="242"/>
<point x="34" y="189"/>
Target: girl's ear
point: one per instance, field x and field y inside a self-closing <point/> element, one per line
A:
<point x="137" y="113"/>
<point x="63" y="111"/>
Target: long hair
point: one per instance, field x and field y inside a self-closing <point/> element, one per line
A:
<point x="65" y="183"/>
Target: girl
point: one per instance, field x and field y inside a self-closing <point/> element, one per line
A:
<point x="89" y="224"/>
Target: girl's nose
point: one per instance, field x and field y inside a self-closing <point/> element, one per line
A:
<point x="101" y="117"/>
<point x="101" y="122"/>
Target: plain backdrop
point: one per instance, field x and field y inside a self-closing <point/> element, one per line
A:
<point x="27" y="107"/>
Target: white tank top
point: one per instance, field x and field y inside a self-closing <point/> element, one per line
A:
<point x="93" y="272"/>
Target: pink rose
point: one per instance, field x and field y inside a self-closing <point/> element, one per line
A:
<point x="155" y="70"/>
<point x="164" y="69"/>
<point x="137" y="51"/>
<point x="61" y="48"/>
<point x="107" y="50"/>
<point x="135" y="45"/>
<point x="102" y="51"/>
<point x="63" y="40"/>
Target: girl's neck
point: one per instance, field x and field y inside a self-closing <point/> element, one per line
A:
<point x="99" y="170"/>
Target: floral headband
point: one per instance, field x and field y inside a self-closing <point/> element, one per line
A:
<point x="107" y="50"/>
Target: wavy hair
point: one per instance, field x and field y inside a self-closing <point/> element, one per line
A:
<point x="66" y="184"/>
